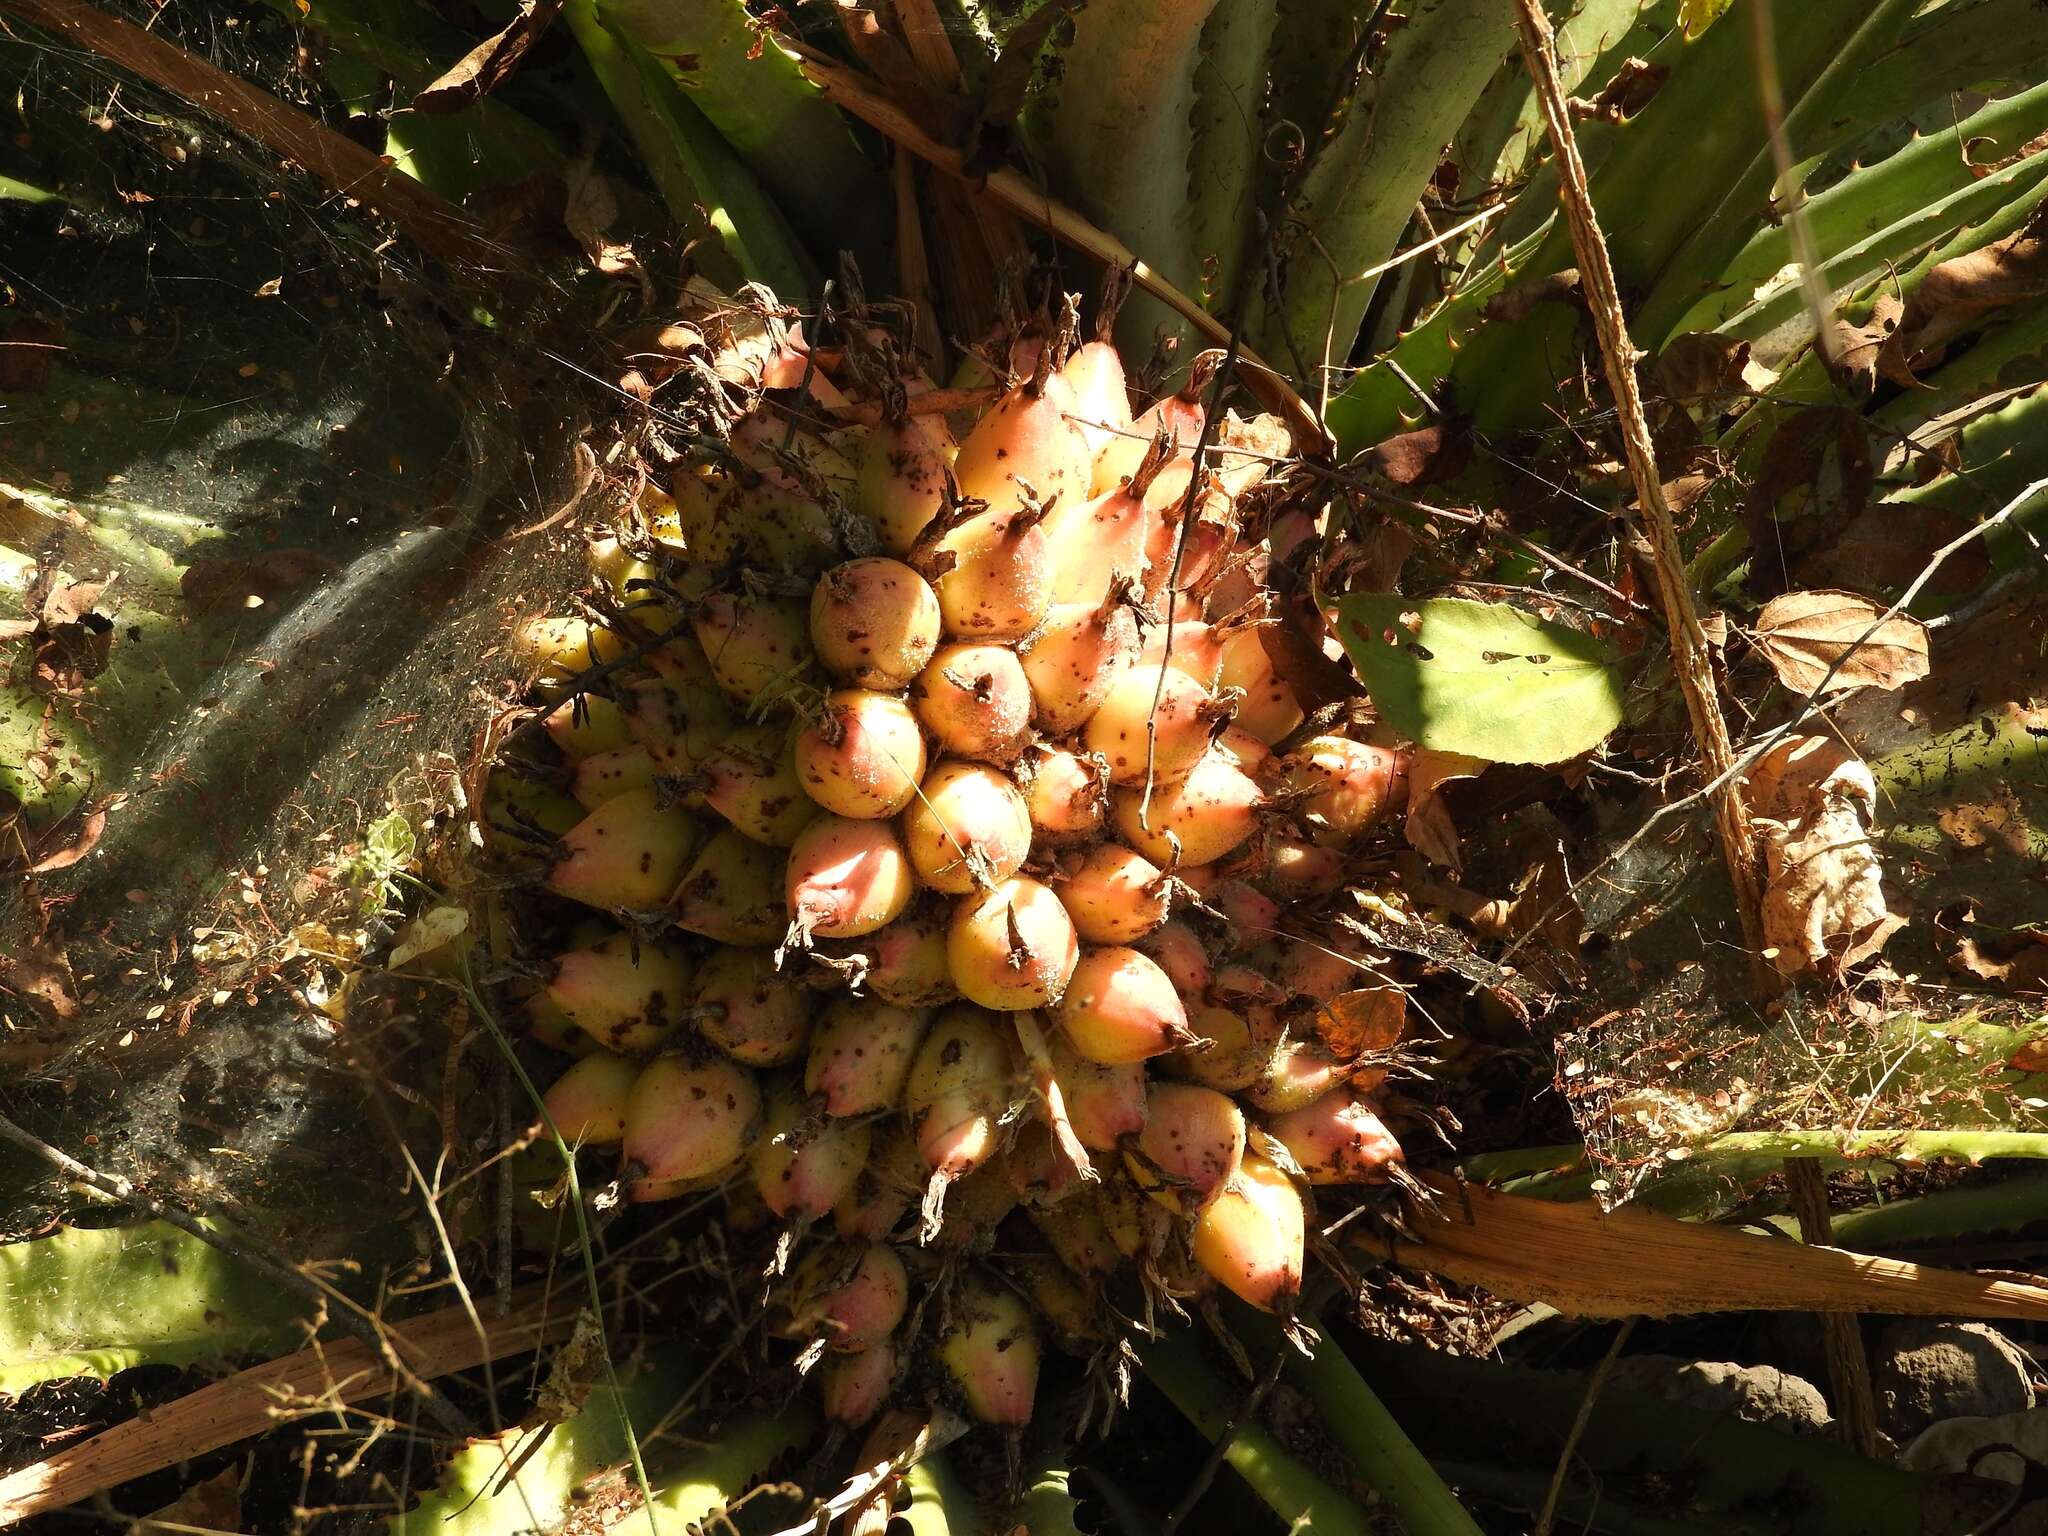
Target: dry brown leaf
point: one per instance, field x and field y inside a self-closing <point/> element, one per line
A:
<point x="1430" y="830"/>
<point x="1957" y="293"/>
<point x="1633" y="87"/>
<point x="1630" y="1262"/>
<point x="1422" y="457"/>
<point x="1824" y="906"/>
<point x="1370" y="1019"/>
<point x="1512" y="303"/>
<point x="491" y="62"/>
<point x="1828" y="640"/>
<point x="1701" y="365"/>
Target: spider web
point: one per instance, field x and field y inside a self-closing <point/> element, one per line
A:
<point x="275" y="462"/>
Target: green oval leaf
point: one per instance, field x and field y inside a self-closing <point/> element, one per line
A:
<point x="1484" y="679"/>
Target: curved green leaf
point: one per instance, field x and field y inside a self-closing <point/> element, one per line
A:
<point x="93" y="1302"/>
<point x="1484" y="679"/>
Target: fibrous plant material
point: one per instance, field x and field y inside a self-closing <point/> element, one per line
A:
<point x="948" y="901"/>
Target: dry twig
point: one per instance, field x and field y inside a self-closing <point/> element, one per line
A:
<point x="1690" y="654"/>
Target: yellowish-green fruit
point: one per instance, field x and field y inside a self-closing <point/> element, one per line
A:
<point x="1251" y="1236"/>
<point x="627" y="855"/>
<point x="992" y="1349"/>
<point x="626" y="993"/>
<point x="968" y="827"/>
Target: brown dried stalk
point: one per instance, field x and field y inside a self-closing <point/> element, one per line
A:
<point x="257" y="1400"/>
<point x="850" y="92"/>
<point x="1689" y="651"/>
<point x="1590" y="1262"/>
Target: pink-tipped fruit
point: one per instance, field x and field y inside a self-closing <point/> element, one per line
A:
<point x="902" y="481"/>
<point x="804" y="1163"/>
<point x="1252" y="1235"/>
<point x="1339" y="1140"/>
<point x="1065" y="794"/>
<point x="628" y="994"/>
<point x="847" y="878"/>
<point x="689" y="1119"/>
<point x="626" y="855"/>
<point x="751" y="780"/>
<point x="1202" y="818"/>
<point x="874" y="622"/>
<point x="749" y="1010"/>
<point x="588" y="1102"/>
<point x="993" y="573"/>
<point x="863" y="756"/>
<point x="1075" y="660"/>
<point x="1121" y="1007"/>
<point x="1193" y="1140"/>
<point x="1154" y="724"/>
<point x="976" y="701"/>
<point x="853" y="1388"/>
<point x="960" y="1083"/>
<point x="1114" y="896"/>
<point x="756" y="645"/>
<point x="1012" y="946"/>
<point x="733" y="892"/>
<point x="853" y="1298"/>
<point x="968" y="827"/>
<point x="587" y="724"/>
<point x="861" y="1054"/>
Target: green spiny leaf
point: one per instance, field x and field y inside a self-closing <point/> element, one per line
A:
<point x="1484" y="679"/>
<point x="93" y="1302"/>
<point x="1049" y="1507"/>
<point x="1698" y="15"/>
<point x="940" y="1504"/>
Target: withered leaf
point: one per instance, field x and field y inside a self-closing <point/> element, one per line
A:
<point x="1824" y="907"/>
<point x="1631" y="90"/>
<point x="1859" y="349"/>
<point x="1956" y="293"/>
<point x="1827" y="640"/>
<point x="1699" y="365"/>
<point x="491" y="62"/>
<point x="1430" y="830"/>
<point x="87" y="839"/>
<point x="1370" y="1019"/>
<point x="1422" y="457"/>
<point x="1511" y="304"/>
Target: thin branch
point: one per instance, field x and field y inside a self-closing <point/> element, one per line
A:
<point x="1848" y="1365"/>
<point x="1594" y="1383"/>
<point x="435" y="225"/>
<point x="1690" y="653"/>
<point x="349" y="1315"/>
<point x="849" y="91"/>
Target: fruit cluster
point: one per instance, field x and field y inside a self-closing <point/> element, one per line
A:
<point x="931" y="794"/>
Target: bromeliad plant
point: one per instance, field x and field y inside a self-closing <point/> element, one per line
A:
<point x="903" y="701"/>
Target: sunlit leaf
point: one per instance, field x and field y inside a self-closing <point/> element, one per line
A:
<point x="90" y="1303"/>
<point x="1484" y="679"/>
